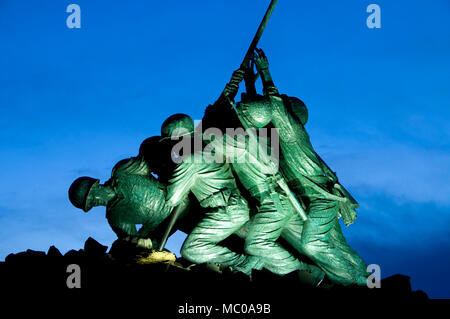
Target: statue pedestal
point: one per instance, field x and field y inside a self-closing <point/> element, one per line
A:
<point x="181" y="288"/>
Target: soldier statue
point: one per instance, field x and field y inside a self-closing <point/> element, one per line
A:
<point x="325" y="199"/>
<point x="132" y="196"/>
<point x="257" y="170"/>
<point x="214" y="186"/>
<point x="295" y="197"/>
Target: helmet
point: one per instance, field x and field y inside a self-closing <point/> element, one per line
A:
<point x="157" y="155"/>
<point x="177" y="125"/>
<point x="79" y="191"/>
<point x="297" y="108"/>
<point x="255" y="113"/>
<point x="149" y="147"/>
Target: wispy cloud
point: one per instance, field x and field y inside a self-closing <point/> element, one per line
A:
<point x="380" y="164"/>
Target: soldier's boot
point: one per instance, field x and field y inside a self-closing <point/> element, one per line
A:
<point x="310" y="275"/>
<point x="248" y="264"/>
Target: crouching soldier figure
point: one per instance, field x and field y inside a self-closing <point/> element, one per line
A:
<point x="214" y="186"/>
<point x="132" y="196"/>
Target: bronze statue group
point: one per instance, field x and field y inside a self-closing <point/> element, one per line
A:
<point x="271" y="190"/>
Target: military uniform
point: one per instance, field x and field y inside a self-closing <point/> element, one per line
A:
<point x="310" y="178"/>
<point x="139" y="199"/>
<point x="227" y="211"/>
<point x="257" y="171"/>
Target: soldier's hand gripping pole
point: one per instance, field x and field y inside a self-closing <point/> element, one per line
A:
<point x="245" y="65"/>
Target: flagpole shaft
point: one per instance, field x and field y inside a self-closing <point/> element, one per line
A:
<point x="258" y="34"/>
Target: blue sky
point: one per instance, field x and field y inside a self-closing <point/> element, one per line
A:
<point x="74" y="102"/>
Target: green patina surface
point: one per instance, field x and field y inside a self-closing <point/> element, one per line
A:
<point x="280" y="198"/>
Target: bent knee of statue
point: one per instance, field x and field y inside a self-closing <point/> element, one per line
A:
<point x="307" y="246"/>
<point x="186" y="252"/>
<point x="240" y="214"/>
<point x="253" y="247"/>
<point x="192" y="250"/>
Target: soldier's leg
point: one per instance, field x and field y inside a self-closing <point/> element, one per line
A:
<point x="341" y="243"/>
<point x="242" y="232"/>
<point x="292" y="233"/>
<point x="201" y="245"/>
<point x="323" y="247"/>
<point x="266" y="227"/>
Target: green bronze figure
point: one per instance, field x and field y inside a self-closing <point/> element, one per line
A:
<point x="257" y="170"/>
<point x="295" y="196"/>
<point x="311" y="179"/>
<point x="132" y="196"/>
<point x="214" y="186"/>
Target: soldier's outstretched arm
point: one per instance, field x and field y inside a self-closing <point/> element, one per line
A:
<point x="220" y="114"/>
<point x="262" y="66"/>
<point x="232" y="87"/>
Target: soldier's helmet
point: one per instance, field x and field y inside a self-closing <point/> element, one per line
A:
<point x="297" y="107"/>
<point x="150" y="147"/>
<point x="79" y="191"/>
<point x="157" y="155"/>
<point x="177" y="125"/>
<point x="256" y="112"/>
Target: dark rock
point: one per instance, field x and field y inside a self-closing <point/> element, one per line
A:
<point x="126" y="251"/>
<point x="169" y="285"/>
<point x="419" y="295"/>
<point x="10" y="258"/>
<point x="24" y="255"/>
<point x="54" y="252"/>
<point x="94" y="248"/>
<point x="398" y="283"/>
<point x="74" y="253"/>
<point x="32" y="253"/>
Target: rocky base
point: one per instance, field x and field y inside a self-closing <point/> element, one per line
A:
<point x="177" y="286"/>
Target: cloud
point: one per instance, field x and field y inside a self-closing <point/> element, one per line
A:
<point x="406" y="238"/>
<point x="383" y="221"/>
<point x="427" y="266"/>
<point x="372" y="162"/>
